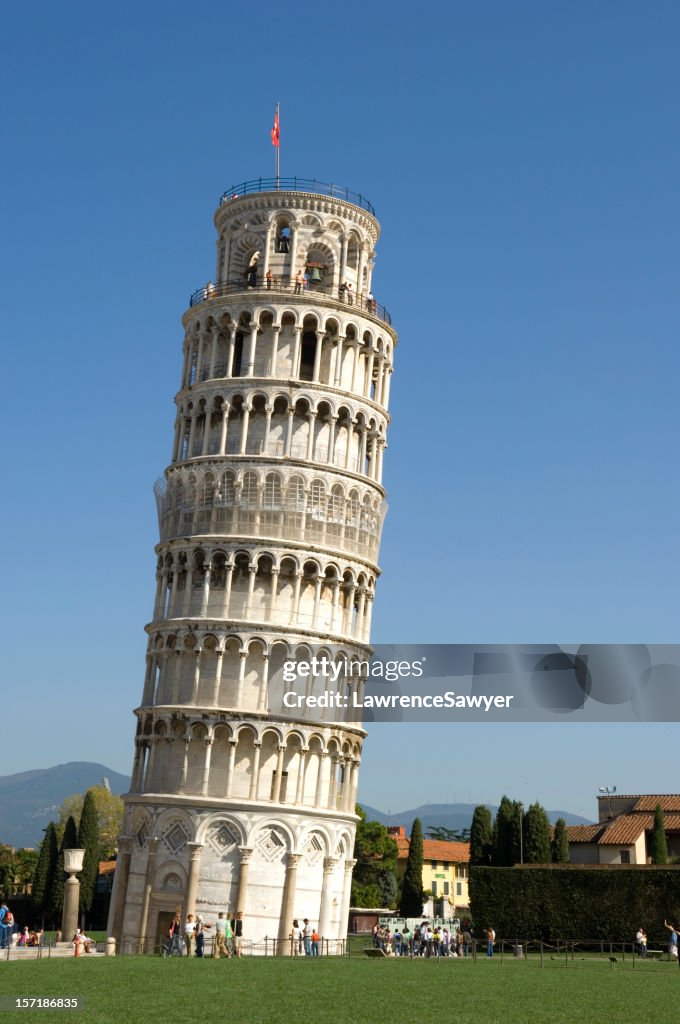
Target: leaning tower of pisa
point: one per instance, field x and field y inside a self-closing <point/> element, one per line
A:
<point x="270" y="515"/>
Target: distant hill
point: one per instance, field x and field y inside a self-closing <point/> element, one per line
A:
<point x="453" y="816"/>
<point x="30" y="800"/>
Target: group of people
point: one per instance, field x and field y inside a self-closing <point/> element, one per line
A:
<point x="189" y="939"/>
<point x="424" y="940"/>
<point x="304" y="939"/>
<point x="11" y="936"/>
<point x="301" y="283"/>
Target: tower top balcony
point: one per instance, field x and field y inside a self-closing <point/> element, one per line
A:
<point x="308" y="185"/>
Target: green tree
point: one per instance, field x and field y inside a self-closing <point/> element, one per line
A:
<point x="412" y="895"/>
<point x="109" y="817"/>
<point x="374" y="880"/>
<point x="44" y="873"/>
<point x="658" y="848"/>
<point x="88" y="840"/>
<point x="559" y="847"/>
<point x="536" y="836"/>
<point x="8" y="870"/>
<point x="506" y="833"/>
<point x="448" y="835"/>
<point x="481" y="837"/>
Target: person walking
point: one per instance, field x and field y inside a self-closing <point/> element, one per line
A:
<point x="220" y="937"/>
<point x="672" y="941"/>
<point x="307" y="936"/>
<point x="237" y="929"/>
<point x="490" y="941"/>
<point x="190" y="935"/>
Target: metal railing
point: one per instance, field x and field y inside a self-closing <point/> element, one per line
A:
<point x="284" y="283"/>
<point x="132" y="945"/>
<point x="311" y="185"/>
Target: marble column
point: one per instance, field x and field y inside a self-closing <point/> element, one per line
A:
<point x="194" y="872"/>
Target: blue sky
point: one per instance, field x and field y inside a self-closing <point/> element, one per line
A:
<point x="523" y="161"/>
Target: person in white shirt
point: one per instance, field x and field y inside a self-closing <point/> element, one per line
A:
<point x="190" y="934"/>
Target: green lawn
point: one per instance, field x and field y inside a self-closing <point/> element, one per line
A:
<point x="342" y="991"/>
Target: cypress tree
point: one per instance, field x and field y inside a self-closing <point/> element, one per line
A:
<point x="537" y="836"/>
<point x="658" y="848"/>
<point x="560" y="843"/>
<point x="412" y="895"/>
<point x="88" y="840"/>
<point x="44" y="872"/>
<point x="481" y="840"/>
<point x="507" y="833"/>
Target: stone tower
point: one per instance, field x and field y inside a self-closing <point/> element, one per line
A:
<point x="270" y="517"/>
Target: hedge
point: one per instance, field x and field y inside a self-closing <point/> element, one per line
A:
<point x="571" y="901"/>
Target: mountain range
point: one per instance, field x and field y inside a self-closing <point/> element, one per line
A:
<point x="453" y="816"/>
<point x="30" y="800"/>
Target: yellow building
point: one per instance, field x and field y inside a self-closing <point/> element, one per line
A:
<point x="446" y="868"/>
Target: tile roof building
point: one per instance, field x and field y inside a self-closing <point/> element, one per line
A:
<point x="621" y="835"/>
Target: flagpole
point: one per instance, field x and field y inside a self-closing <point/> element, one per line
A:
<point x="278" y="148"/>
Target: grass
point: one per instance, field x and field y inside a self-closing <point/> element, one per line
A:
<point x="348" y="991"/>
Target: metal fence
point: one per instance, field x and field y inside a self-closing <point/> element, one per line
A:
<point x="132" y="945"/>
<point x="284" y="283"/>
<point x="295" y="184"/>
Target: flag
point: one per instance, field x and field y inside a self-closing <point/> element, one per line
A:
<point x="276" y="133"/>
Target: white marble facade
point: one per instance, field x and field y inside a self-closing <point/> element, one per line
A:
<point x="270" y="515"/>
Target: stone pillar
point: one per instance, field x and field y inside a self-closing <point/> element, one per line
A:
<point x="302" y="771"/>
<point x="329" y="864"/>
<point x="151" y="760"/>
<point x="331" y="438"/>
<point x="346" y="891"/>
<point x="219" y="654"/>
<point x="289" y="431"/>
<point x="278" y="775"/>
<point x="243" y="654"/>
<point x="295" y="360"/>
<point x="244" y="429"/>
<point x="148" y="887"/>
<point x="338" y="362"/>
<point x="288" y="907"/>
<point x="194" y="872"/>
<point x="267" y="428"/>
<point x="254" y="778"/>
<point x="197" y="676"/>
<point x="224" y="428"/>
<point x="250" y="362"/>
<point x="295" y="603"/>
<point x="120" y="884"/>
<point x="293" y="250"/>
<point x="275" y="348"/>
<point x="206" y="766"/>
<point x="242" y="897"/>
<point x="69" y="915"/>
<point x="319" y="778"/>
<point x="317" y="357"/>
<point x="233" y="743"/>
<point x="369" y="373"/>
<point x="231" y="345"/>
<point x="311" y="419"/>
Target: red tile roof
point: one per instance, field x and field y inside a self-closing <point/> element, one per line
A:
<point x="649" y="802"/>
<point x="436" y="849"/>
<point x="583" y="833"/>
<point x="622" y="831"/>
